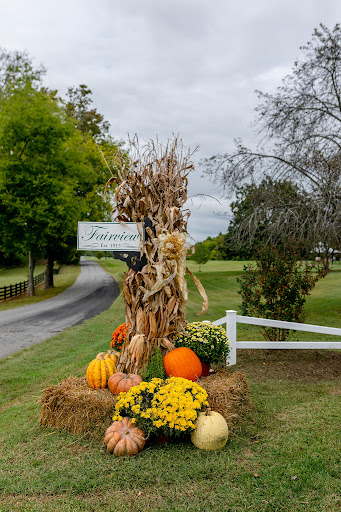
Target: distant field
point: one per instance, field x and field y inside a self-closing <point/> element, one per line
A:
<point x="17" y="275"/>
<point x="219" y="278"/>
<point x="217" y="266"/>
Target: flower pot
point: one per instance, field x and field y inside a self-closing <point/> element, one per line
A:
<point x="162" y="439"/>
<point x="205" y="369"/>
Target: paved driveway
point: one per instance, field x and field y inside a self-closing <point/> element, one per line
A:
<point x="93" y="292"/>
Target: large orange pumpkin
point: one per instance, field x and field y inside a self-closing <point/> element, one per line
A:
<point x="182" y="362"/>
<point x="124" y="438"/>
<point x="122" y="382"/>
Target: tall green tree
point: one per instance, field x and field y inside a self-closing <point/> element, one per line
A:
<point x="52" y="173"/>
<point x="36" y="185"/>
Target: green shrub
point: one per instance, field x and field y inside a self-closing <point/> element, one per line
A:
<point x="276" y="287"/>
<point x="155" y="368"/>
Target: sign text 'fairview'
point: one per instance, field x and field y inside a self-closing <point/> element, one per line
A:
<point x="108" y="236"/>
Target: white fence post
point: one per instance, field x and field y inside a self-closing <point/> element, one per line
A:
<point x="231" y="331"/>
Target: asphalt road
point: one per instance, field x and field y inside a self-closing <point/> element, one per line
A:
<point x="93" y="292"/>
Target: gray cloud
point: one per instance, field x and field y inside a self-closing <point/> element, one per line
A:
<point x="161" y="67"/>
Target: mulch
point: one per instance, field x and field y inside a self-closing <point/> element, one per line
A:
<point x="289" y="365"/>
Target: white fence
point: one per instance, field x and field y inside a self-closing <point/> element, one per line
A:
<point x="231" y="319"/>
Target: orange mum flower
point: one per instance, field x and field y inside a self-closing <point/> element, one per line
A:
<point x="118" y="336"/>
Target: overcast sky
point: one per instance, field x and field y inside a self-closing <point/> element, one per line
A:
<point x="158" y="67"/>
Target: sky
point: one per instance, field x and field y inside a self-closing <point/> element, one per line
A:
<point x="164" y="67"/>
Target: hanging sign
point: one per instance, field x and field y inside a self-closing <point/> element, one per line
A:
<point x="108" y="236"/>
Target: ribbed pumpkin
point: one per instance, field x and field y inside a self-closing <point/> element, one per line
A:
<point x="182" y="362"/>
<point x="122" y="382"/>
<point x="110" y="354"/>
<point x="124" y="438"/>
<point x="99" y="371"/>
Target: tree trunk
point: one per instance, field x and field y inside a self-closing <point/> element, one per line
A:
<point x="326" y="260"/>
<point x="31" y="265"/>
<point x="48" y="275"/>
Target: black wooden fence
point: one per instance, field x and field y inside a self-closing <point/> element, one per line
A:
<point x="12" y="290"/>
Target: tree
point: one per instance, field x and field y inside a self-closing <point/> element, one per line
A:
<point x="87" y="119"/>
<point x="34" y="169"/>
<point x="51" y="177"/>
<point x="52" y="173"/>
<point x="216" y="247"/>
<point x="268" y="213"/>
<point x="299" y="127"/>
<point x="16" y="71"/>
<point x="202" y="254"/>
<point x="275" y="287"/>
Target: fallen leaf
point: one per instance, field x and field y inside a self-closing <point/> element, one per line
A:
<point x="294" y="477"/>
<point x="256" y="475"/>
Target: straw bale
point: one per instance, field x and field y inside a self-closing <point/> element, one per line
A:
<point x="73" y="406"/>
<point x="228" y="394"/>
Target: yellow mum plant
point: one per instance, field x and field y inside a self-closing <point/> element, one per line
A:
<point x="167" y="407"/>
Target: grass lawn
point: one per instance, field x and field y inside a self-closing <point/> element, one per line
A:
<point x="285" y="456"/>
<point x="17" y="275"/>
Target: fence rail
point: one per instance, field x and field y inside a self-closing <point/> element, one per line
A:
<point x="231" y="319"/>
<point x="13" y="290"/>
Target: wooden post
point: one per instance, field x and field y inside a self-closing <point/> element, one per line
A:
<point x="231" y="331"/>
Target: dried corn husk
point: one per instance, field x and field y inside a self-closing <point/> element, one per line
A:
<point x="155" y="187"/>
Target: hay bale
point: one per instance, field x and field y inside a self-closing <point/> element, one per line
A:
<point x="228" y="394"/>
<point x="73" y="406"/>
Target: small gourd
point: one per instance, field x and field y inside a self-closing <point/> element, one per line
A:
<point x="182" y="362"/>
<point x="121" y="382"/>
<point x="124" y="438"/>
<point x="211" y="431"/>
<point x="99" y="371"/>
<point x="110" y="354"/>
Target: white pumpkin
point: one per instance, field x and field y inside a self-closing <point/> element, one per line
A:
<point x="211" y="431"/>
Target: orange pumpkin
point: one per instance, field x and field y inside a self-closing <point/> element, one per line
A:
<point x="122" y="382"/>
<point x="124" y="438"/>
<point x="182" y="362"/>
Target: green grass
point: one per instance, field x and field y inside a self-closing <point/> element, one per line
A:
<point x="17" y="275"/>
<point x="217" y="266"/>
<point x="65" y="278"/>
<point x="323" y="306"/>
<point x="291" y="439"/>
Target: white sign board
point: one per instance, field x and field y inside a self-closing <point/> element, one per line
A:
<point x="108" y="236"/>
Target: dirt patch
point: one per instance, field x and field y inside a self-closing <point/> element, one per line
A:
<point x="293" y="365"/>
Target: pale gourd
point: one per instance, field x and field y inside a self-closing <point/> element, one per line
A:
<point x="211" y="431"/>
